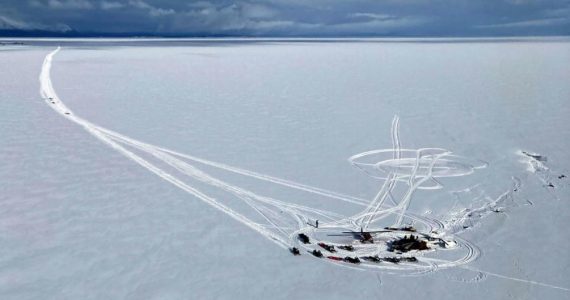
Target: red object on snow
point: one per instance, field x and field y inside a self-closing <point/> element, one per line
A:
<point x="334" y="258"/>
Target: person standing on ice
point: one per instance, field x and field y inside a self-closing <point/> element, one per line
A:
<point x="316" y="223"/>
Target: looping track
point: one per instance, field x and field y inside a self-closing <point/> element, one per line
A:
<point x="283" y="221"/>
<point x="280" y="227"/>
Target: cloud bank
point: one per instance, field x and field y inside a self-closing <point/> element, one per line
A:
<point x="289" y="17"/>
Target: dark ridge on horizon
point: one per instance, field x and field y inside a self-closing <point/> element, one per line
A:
<point x="76" y="34"/>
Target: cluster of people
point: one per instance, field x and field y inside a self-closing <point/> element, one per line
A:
<point x="408" y="243"/>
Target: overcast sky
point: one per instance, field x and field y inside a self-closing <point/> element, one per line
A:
<point x="290" y="17"/>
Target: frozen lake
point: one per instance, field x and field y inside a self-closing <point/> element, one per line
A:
<point x="82" y="220"/>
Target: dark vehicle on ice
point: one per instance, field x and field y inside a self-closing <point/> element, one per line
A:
<point x="304" y="238"/>
<point x="295" y="251"/>
<point x="410" y="259"/>
<point x="352" y="260"/>
<point x="393" y="260"/>
<point x="317" y="253"/>
<point x="375" y="258"/>
<point x="335" y="258"/>
<point x="346" y="247"/>
<point x="329" y="248"/>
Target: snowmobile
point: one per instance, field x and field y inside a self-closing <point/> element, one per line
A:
<point x="304" y="238"/>
<point x="393" y="260"/>
<point x="317" y="253"/>
<point x="346" y="247"/>
<point x="352" y="260"/>
<point x="295" y="251"/>
<point x="329" y="248"/>
<point x="335" y="258"/>
<point x="375" y="258"/>
<point x="410" y="259"/>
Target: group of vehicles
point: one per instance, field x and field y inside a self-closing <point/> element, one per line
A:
<point x="400" y="245"/>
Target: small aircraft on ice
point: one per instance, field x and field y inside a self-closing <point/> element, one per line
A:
<point x="364" y="237"/>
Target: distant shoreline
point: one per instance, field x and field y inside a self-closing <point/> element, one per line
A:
<point x="12" y="40"/>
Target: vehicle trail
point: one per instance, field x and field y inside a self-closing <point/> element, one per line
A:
<point x="416" y="168"/>
<point x="47" y="91"/>
<point x="115" y="140"/>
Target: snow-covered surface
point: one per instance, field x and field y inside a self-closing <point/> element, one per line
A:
<point x="212" y="139"/>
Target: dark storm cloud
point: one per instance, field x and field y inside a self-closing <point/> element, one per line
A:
<point x="290" y="17"/>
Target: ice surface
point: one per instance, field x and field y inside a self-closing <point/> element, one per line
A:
<point x="80" y="220"/>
